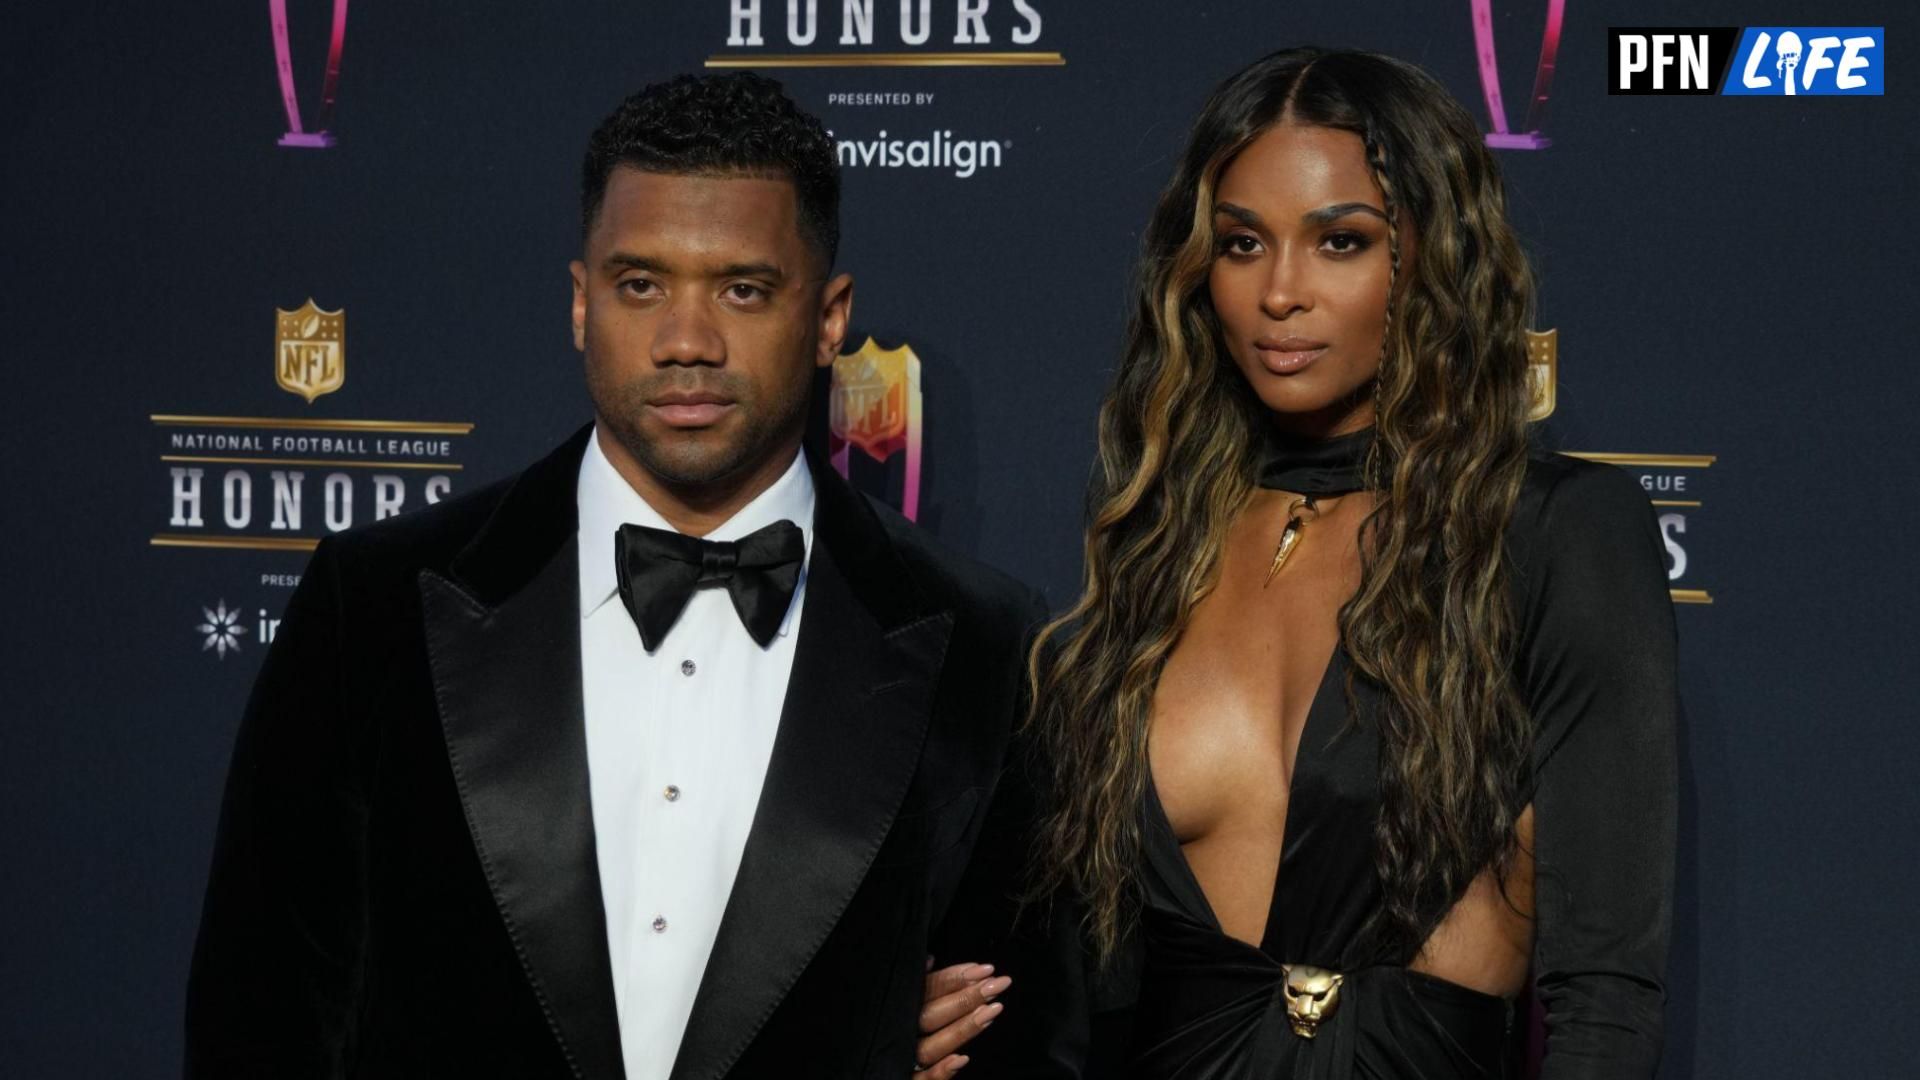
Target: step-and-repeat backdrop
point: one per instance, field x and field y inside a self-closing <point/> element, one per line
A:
<point x="279" y="269"/>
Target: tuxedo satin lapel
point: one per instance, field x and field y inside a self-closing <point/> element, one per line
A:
<point x="851" y="731"/>
<point x="504" y="642"/>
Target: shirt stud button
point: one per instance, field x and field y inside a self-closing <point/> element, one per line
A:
<point x="672" y="793"/>
<point x="659" y="924"/>
<point x="687" y="668"/>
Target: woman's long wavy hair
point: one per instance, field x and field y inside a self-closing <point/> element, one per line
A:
<point x="1431" y="621"/>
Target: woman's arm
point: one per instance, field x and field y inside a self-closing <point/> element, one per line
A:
<point x="1598" y="667"/>
<point x="1044" y="1028"/>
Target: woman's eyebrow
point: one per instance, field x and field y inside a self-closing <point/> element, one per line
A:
<point x="1238" y="213"/>
<point x="1327" y="215"/>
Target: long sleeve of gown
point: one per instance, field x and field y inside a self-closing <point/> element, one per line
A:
<point x="1044" y="1031"/>
<point x="1597" y="662"/>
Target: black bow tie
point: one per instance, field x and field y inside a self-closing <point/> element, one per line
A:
<point x="659" y="571"/>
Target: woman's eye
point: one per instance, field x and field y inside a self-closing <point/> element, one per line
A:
<point x="1346" y="243"/>
<point x="1239" y="244"/>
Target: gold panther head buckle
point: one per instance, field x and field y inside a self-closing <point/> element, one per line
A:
<point x="1312" y="995"/>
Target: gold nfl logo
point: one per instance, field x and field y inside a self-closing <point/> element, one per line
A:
<point x="875" y="402"/>
<point x="310" y="351"/>
<point x="1543" y="372"/>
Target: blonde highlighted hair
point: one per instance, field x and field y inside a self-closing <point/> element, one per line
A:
<point x="1430" y="622"/>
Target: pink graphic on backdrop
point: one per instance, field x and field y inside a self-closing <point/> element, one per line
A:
<point x="1529" y="136"/>
<point x="875" y="406"/>
<point x="297" y="135"/>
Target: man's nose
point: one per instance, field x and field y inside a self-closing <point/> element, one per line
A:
<point x="687" y="335"/>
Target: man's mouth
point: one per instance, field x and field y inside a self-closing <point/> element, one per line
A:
<point x="691" y="408"/>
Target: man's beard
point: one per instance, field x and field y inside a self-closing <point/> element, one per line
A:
<point x="694" y="460"/>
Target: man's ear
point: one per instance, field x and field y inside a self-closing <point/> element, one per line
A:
<point x="578" y="270"/>
<point x="836" y="313"/>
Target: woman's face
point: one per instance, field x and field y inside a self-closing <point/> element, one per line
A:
<point x="1300" y="275"/>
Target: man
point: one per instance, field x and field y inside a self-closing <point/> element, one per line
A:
<point x="664" y="758"/>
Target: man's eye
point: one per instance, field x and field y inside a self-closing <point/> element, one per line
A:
<point x="744" y="292"/>
<point x="638" y="287"/>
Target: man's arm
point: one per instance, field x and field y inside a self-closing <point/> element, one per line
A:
<point x="1034" y="946"/>
<point x="277" y="967"/>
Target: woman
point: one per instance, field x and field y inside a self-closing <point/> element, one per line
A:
<point x="1363" y="725"/>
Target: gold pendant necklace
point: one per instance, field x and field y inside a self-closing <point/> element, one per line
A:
<point x="1290" y="536"/>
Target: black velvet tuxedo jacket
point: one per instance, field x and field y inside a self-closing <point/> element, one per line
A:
<point x="404" y="881"/>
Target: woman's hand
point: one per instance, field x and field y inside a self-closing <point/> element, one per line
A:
<point x="958" y="1006"/>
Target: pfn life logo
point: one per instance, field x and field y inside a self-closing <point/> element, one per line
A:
<point x="1785" y="61"/>
<point x="1796" y="60"/>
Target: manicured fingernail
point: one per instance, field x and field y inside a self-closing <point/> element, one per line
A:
<point x="978" y="972"/>
<point x="984" y="1014"/>
<point x="960" y="1062"/>
<point x="993" y="988"/>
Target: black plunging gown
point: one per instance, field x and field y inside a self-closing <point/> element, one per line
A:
<point x="1595" y="662"/>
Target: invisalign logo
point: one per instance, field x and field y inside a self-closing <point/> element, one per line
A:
<point x="940" y="151"/>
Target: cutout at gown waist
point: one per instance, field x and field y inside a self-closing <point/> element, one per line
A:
<point x="1213" y="1007"/>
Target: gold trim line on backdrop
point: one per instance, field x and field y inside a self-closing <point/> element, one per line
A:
<point x="315" y="464"/>
<point x="290" y="543"/>
<point x="413" y="427"/>
<point x="1676" y="502"/>
<point x="1670" y="461"/>
<point x="959" y="59"/>
<point x="250" y="543"/>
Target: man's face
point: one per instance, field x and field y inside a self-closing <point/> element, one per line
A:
<point x="702" y="313"/>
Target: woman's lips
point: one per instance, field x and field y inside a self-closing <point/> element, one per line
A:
<point x="1289" y="356"/>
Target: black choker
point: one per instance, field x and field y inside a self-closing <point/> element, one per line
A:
<point x="1316" y="467"/>
<point x="1313" y="469"/>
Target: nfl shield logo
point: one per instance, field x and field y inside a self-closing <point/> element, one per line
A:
<point x="1543" y="372"/>
<point x="875" y="405"/>
<point x="310" y="351"/>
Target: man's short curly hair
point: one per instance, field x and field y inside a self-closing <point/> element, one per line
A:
<point x="738" y="124"/>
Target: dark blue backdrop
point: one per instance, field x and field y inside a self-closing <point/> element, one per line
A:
<point x="1728" y="278"/>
